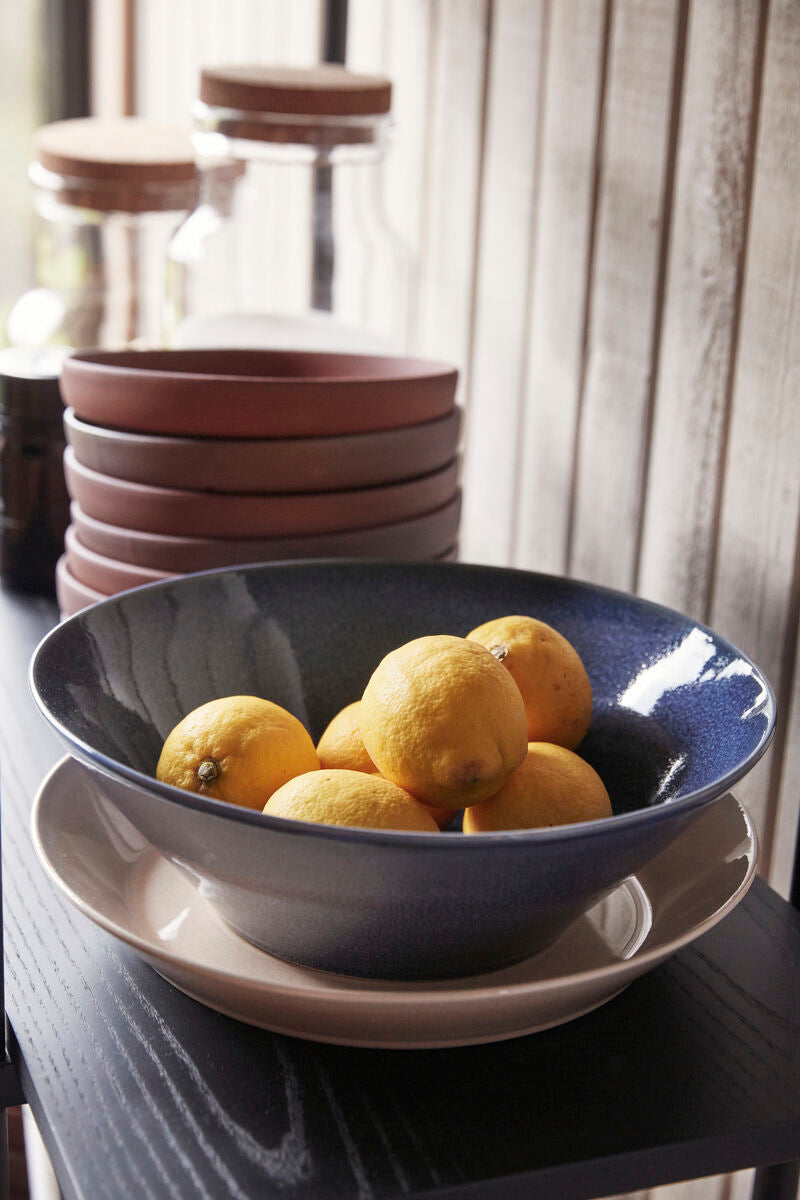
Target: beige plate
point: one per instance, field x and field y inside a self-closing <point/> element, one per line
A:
<point x="107" y="870"/>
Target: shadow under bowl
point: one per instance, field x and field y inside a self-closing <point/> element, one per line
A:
<point x="680" y="715"/>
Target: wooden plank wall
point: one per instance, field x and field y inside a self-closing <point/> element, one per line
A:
<point x="174" y="40"/>
<point x="604" y="205"/>
<point x="603" y="199"/>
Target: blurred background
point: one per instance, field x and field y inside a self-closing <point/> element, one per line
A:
<point x="600" y="198"/>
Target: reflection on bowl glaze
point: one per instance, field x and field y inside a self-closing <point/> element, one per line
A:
<point x="634" y="742"/>
<point x="682" y="664"/>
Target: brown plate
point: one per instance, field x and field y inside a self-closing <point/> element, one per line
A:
<point x="312" y="464"/>
<point x="130" y="890"/>
<point x="421" y="537"/>
<point x="235" y="514"/>
<point x="108" y="575"/>
<point x="255" y="393"/>
<point x="71" y="594"/>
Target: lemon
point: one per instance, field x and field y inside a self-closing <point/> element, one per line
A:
<point x="553" y="786"/>
<point x="238" y="749"/>
<point x="342" y="745"/>
<point x="344" y="797"/>
<point x="549" y="673"/>
<point x="444" y="720"/>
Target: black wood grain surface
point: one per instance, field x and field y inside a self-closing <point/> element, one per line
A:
<point x="140" y="1091"/>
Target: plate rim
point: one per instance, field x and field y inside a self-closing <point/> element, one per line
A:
<point x="387" y="992"/>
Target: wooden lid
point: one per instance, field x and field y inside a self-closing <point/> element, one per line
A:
<point x="126" y="164"/>
<point x="328" y="90"/>
<point x="125" y="148"/>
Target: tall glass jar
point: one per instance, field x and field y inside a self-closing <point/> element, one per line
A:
<point x="289" y="244"/>
<point x="107" y="195"/>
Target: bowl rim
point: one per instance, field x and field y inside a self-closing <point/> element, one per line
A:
<point x="472" y="842"/>
<point x="96" y="362"/>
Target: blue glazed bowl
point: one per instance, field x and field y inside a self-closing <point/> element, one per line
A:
<point x="679" y="716"/>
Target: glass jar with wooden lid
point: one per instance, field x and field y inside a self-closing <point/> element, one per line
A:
<point x="296" y="251"/>
<point x="107" y="195"/>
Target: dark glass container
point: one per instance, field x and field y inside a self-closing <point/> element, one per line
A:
<point x="34" y="504"/>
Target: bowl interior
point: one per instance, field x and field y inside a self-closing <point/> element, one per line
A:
<point x="678" y="710"/>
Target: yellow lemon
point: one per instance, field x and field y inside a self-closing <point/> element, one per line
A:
<point x="442" y="718"/>
<point x="442" y="816"/>
<point x="341" y="744"/>
<point x="237" y="748"/>
<point x="342" y="747"/>
<point x="343" y="797"/>
<point x="553" y="786"/>
<point x="549" y="673"/>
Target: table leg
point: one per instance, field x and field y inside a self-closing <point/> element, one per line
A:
<point x="9" y="1083"/>
<point x="778" y="1182"/>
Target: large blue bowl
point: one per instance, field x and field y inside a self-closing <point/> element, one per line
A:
<point x="679" y="716"/>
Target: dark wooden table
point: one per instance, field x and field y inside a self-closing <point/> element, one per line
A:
<point x="141" y="1092"/>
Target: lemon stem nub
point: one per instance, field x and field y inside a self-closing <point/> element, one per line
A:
<point x="208" y="770"/>
<point x="500" y="652"/>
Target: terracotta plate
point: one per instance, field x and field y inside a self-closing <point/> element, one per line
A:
<point x="107" y="575"/>
<point x="255" y="393"/>
<point x="308" y="464"/>
<point x="240" y="515"/>
<point x="111" y="575"/>
<point x="421" y="537"/>
<point x="71" y="594"/>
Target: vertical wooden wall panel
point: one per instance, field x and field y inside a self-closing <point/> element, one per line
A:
<point x="393" y="37"/>
<point x="756" y="585"/>
<point x="740" y="1186"/>
<point x="164" y="60"/>
<point x="499" y="344"/>
<point x="710" y="1188"/>
<point x="709" y="224"/>
<point x="625" y="289"/>
<point x="715" y="1187"/>
<point x="367" y="34"/>
<point x="175" y="40"/>
<point x="290" y="31"/>
<point x="451" y="178"/>
<point x="786" y="817"/>
<point x="408" y="40"/>
<point x="561" y="257"/>
<point x="108" y="51"/>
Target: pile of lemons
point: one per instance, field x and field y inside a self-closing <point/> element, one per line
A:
<point x="488" y="723"/>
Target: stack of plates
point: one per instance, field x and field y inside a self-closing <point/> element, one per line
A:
<point x="182" y="461"/>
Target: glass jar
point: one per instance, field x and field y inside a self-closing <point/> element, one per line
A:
<point x="289" y="245"/>
<point x="107" y="195"/>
